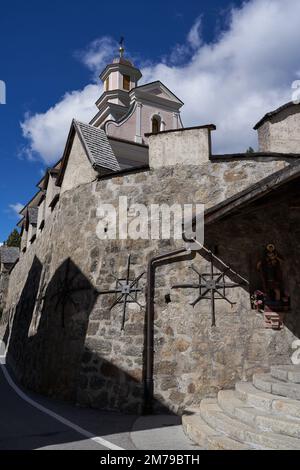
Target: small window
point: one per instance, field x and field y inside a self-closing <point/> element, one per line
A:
<point x="107" y="84"/>
<point x="126" y="82"/>
<point x="155" y="125"/>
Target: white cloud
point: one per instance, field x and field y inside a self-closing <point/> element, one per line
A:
<point x="16" y="208"/>
<point x="194" y="36"/>
<point x="98" y="54"/>
<point x="47" y="132"/>
<point x="246" y="71"/>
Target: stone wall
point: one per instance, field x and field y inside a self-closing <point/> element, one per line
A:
<point x="4" y="278"/>
<point x="280" y="133"/>
<point x="186" y="147"/>
<point x="65" y="341"/>
<point x="79" y="170"/>
<point x="194" y="360"/>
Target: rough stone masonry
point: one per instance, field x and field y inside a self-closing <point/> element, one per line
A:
<point x="63" y="339"/>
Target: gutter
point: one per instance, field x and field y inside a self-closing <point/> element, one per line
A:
<point x="149" y="347"/>
<point x="172" y="256"/>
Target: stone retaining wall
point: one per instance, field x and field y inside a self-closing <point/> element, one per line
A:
<point x="66" y="342"/>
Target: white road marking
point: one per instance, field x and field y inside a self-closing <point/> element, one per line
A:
<point x="66" y="422"/>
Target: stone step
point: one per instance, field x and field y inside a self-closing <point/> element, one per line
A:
<point x="229" y="401"/>
<point x="267" y="383"/>
<point x="267" y="401"/>
<point x="270" y="422"/>
<point x="214" y="416"/>
<point x="208" y="438"/>
<point x="289" y="373"/>
<point x="260" y="419"/>
<point x="243" y="432"/>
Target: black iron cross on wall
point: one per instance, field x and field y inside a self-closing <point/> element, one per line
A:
<point x="126" y="291"/>
<point x="211" y="286"/>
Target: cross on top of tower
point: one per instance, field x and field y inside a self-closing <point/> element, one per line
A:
<point x="121" y="48"/>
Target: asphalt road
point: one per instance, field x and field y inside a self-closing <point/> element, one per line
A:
<point x="29" y="421"/>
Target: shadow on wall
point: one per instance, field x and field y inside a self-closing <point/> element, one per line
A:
<point x="46" y="344"/>
<point x="48" y="330"/>
<point x="240" y="240"/>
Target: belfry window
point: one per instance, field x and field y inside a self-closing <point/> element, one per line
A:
<point x="155" y="124"/>
<point x="126" y="82"/>
<point x="107" y="84"/>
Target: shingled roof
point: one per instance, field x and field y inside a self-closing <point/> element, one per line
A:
<point x="9" y="254"/>
<point x="33" y="215"/>
<point x="97" y="146"/>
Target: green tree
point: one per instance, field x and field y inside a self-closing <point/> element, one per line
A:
<point x="14" y="239"/>
<point x="250" y="150"/>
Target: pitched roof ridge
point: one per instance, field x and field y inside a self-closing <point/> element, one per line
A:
<point x="268" y="115"/>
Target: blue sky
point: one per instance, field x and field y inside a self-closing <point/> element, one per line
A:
<point x="51" y="53"/>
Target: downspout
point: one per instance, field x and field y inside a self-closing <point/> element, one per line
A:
<point x="149" y="349"/>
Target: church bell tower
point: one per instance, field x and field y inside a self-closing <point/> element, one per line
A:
<point x="121" y="74"/>
<point x="119" y="78"/>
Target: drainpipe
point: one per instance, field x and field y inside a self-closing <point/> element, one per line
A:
<point x="149" y="350"/>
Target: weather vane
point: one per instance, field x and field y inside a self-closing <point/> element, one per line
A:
<point x="121" y="48"/>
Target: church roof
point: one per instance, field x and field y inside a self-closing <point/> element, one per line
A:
<point x="154" y="88"/>
<point x="121" y="60"/>
<point x="121" y="64"/>
<point x="97" y="146"/>
<point x="9" y="254"/>
<point x="33" y="215"/>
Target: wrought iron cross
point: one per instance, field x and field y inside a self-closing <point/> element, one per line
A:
<point x="126" y="291"/>
<point x="66" y="290"/>
<point x="211" y="286"/>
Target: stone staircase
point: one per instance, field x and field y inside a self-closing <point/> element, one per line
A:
<point x="264" y="414"/>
